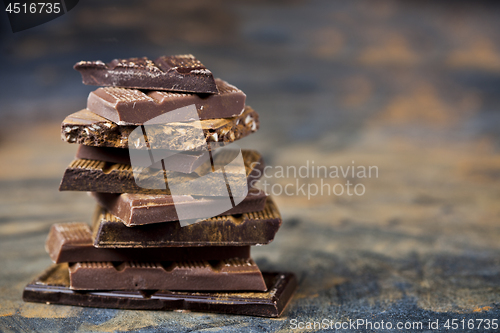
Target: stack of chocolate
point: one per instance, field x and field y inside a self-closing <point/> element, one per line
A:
<point x="176" y="208"/>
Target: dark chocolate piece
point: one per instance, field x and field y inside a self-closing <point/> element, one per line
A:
<point x="255" y="228"/>
<point x="87" y="128"/>
<point x="53" y="287"/>
<point x="98" y="176"/>
<point x="230" y="274"/>
<point x="72" y="242"/>
<point x="175" y="73"/>
<point x="185" y="162"/>
<point x="140" y="209"/>
<point x="134" y="107"/>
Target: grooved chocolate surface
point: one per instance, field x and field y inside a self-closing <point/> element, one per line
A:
<point x="228" y="274"/>
<point x="228" y="230"/>
<point x="185" y="162"/>
<point x="140" y="209"/>
<point x="176" y="73"/>
<point x="134" y="107"/>
<point x="99" y="176"/>
<point x="52" y="286"/>
<point x="73" y="242"/>
<point x="87" y="128"/>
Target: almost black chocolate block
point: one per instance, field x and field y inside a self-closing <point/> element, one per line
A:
<point x="174" y="73"/>
<point x="53" y="287"/>
<point x="185" y="162"/>
<point x="99" y="176"/>
<point x="230" y="230"/>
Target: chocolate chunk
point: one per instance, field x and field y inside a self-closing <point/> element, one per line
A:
<point x="185" y="162"/>
<point x="87" y="128"/>
<point x="134" y="107"/>
<point x="175" y="73"/>
<point x="229" y="230"/>
<point x="99" y="176"/>
<point x="53" y="287"/>
<point x="140" y="209"/>
<point x="72" y="242"/>
<point x="222" y="275"/>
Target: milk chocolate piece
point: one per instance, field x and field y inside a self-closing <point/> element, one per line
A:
<point x="87" y="128"/>
<point x="175" y="73"/>
<point x="140" y="209"/>
<point x="52" y="286"/>
<point x="99" y="176"/>
<point x="185" y="162"/>
<point x="229" y="230"/>
<point x="72" y="242"/>
<point x="134" y="107"/>
<point x="222" y="275"/>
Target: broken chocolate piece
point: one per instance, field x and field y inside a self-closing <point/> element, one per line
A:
<point x="140" y="209"/>
<point x="87" y="128"/>
<point x="72" y="242"/>
<point x="185" y="162"/>
<point x="99" y="176"/>
<point x="222" y="275"/>
<point x="229" y="230"/>
<point x="175" y="73"/>
<point x="52" y="286"/>
<point x="134" y="107"/>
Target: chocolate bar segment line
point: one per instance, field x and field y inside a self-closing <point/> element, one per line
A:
<point x="228" y="274"/>
<point x="52" y="286"/>
<point x="140" y="209"/>
<point x="99" y="176"/>
<point x="228" y="230"/>
<point x="73" y="242"/>
<point x="174" y="73"/>
<point x="87" y="128"/>
<point x="134" y="107"/>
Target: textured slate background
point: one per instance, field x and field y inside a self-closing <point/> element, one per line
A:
<point x="412" y="87"/>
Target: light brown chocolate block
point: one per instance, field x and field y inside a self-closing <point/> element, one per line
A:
<point x="229" y="274"/>
<point x="135" y="107"/>
<point x="73" y="242"/>
<point x="140" y="209"/>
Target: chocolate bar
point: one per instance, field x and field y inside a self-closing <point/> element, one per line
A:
<point x="52" y="286"/>
<point x="87" y="128"/>
<point x="134" y="107"/>
<point x="222" y="275"/>
<point x="229" y="230"/>
<point x="72" y="242"/>
<point x="99" y="176"/>
<point x="140" y="209"/>
<point x="185" y="162"/>
<point x="175" y="73"/>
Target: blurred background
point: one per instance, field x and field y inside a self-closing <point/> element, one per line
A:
<point x="313" y="68"/>
<point x="412" y="87"/>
